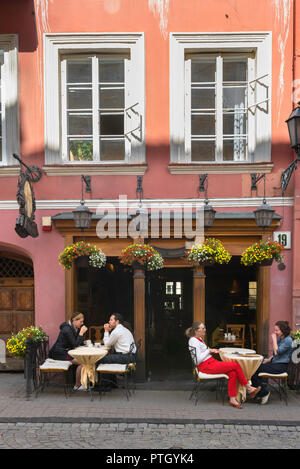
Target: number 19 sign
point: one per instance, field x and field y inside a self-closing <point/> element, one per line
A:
<point x="284" y="237"/>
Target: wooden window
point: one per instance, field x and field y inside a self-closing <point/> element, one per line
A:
<point x="93" y="109"/>
<point x="220" y="102"/>
<point x="217" y="108"/>
<point x="94" y="101"/>
<point x="9" y="121"/>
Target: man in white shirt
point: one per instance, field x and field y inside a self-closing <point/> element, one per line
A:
<point x="119" y="338"/>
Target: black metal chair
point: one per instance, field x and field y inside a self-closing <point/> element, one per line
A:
<point x="123" y="371"/>
<point x="278" y="382"/>
<point x="199" y="377"/>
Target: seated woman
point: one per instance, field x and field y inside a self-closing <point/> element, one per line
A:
<point x="282" y="345"/>
<point x="207" y="364"/>
<point x="70" y="337"/>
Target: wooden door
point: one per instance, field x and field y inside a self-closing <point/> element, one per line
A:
<point x="16" y="312"/>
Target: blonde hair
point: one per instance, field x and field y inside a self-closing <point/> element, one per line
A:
<point x="190" y="332"/>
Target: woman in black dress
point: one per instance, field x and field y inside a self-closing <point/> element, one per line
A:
<point x="70" y="337"/>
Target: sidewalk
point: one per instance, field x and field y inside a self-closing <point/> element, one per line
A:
<point x="147" y="405"/>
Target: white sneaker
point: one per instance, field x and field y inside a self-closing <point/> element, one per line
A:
<point x="79" y="388"/>
<point x="265" y="399"/>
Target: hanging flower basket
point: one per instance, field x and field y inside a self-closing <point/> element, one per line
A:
<point x="262" y="253"/>
<point x="16" y="345"/>
<point x="210" y="252"/>
<point x="84" y="253"/>
<point x="141" y="256"/>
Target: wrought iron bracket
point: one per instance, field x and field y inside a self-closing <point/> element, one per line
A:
<point x="139" y="189"/>
<point x="202" y="179"/>
<point x="287" y="173"/>
<point x="34" y="173"/>
<point x="255" y="178"/>
<point x="88" y="183"/>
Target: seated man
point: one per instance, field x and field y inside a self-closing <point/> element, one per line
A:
<point x="120" y="339"/>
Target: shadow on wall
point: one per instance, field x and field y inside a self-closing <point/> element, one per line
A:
<point x="20" y="15"/>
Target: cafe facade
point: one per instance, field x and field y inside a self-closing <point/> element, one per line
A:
<point x="166" y="109"/>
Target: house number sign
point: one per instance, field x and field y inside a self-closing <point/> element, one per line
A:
<point x="284" y="237"/>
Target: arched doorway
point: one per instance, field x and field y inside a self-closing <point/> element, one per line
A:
<point x="16" y="300"/>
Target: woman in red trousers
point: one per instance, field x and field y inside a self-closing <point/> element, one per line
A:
<point x="207" y="364"/>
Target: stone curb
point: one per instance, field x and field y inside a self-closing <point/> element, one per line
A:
<point x="166" y="421"/>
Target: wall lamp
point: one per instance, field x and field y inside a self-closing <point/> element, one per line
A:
<point x="82" y="214"/>
<point x="293" y="123"/>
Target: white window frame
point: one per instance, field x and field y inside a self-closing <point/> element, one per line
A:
<point x="10" y="99"/>
<point x="258" y="45"/>
<point x="58" y="45"/>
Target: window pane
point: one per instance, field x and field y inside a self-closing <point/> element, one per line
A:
<point x="111" y="70"/>
<point x="234" y="124"/>
<point x="79" y="98"/>
<point x="79" y="71"/>
<point x="234" y="97"/>
<point x="203" y="124"/>
<point x="80" y="150"/>
<point x="169" y="288"/>
<point x="203" y="151"/>
<point x="0" y="149"/>
<point x="234" y="71"/>
<point x="203" y="98"/>
<point x="80" y="125"/>
<point x="112" y="150"/>
<point x="203" y="71"/>
<point x="112" y="124"/>
<point x="111" y="98"/>
<point x="234" y="150"/>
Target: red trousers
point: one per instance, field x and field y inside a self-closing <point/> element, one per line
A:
<point x="231" y="369"/>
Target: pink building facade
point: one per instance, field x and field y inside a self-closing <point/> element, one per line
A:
<point x="170" y="91"/>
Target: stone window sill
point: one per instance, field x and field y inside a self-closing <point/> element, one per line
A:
<point x="220" y="168"/>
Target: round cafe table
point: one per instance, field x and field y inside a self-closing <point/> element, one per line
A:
<point x="248" y="363"/>
<point x="88" y="357"/>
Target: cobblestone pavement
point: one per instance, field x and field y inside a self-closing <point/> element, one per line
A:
<point x="146" y="436"/>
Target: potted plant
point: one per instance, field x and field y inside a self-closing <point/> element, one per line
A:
<point x="211" y="251"/>
<point x="82" y="250"/>
<point x="16" y="345"/>
<point x="262" y="253"/>
<point x="141" y="256"/>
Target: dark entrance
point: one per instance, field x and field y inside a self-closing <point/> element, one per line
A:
<point x="169" y="311"/>
<point x="106" y="291"/>
<point x="230" y="298"/>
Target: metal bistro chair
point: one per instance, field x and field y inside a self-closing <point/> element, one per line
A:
<point x="57" y="367"/>
<point x="278" y="382"/>
<point x="199" y="377"/>
<point x="119" y="370"/>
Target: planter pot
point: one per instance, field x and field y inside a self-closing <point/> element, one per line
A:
<point x="137" y="265"/>
<point x="267" y="262"/>
<point x="82" y="261"/>
<point x="206" y="263"/>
